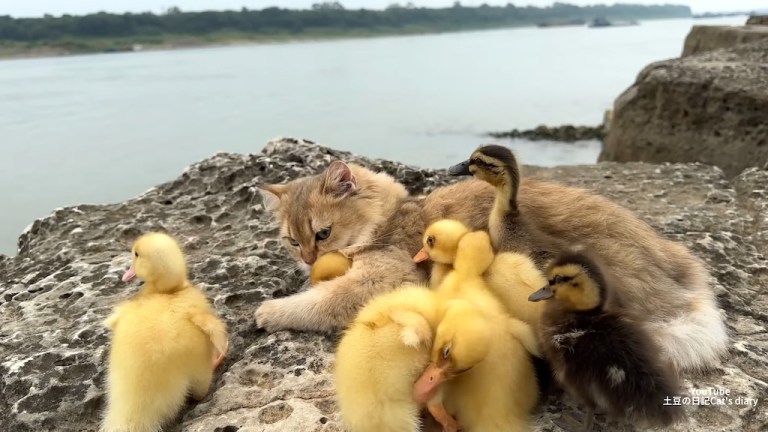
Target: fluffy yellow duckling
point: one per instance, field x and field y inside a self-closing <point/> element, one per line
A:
<point x="329" y="266"/>
<point x="483" y="337"/>
<point x="487" y="378"/>
<point x="464" y="261"/>
<point x="513" y="277"/>
<point x="381" y="355"/>
<point x="166" y="341"/>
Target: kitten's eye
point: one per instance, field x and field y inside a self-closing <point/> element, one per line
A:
<point x="431" y="241"/>
<point x="446" y="351"/>
<point x="323" y="234"/>
<point x="293" y="242"/>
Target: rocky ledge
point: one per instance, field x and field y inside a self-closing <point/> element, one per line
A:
<point x="758" y="20"/>
<point x="703" y="38"/>
<point x="66" y="278"/>
<point x="707" y="108"/>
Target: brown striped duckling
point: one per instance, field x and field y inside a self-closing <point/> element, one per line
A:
<point x="597" y="352"/>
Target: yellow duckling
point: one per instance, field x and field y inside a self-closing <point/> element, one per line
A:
<point x="598" y="352"/>
<point x="486" y="376"/>
<point x="511" y="277"/>
<point x="329" y="266"/>
<point x="166" y="341"/>
<point x="488" y="344"/>
<point x="380" y="356"/>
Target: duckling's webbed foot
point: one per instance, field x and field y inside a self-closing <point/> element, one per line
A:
<point x="589" y="419"/>
<point x="569" y="423"/>
<point x="441" y="415"/>
<point x="217" y="361"/>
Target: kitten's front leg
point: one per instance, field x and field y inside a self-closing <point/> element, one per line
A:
<point x="309" y="310"/>
<point x="332" y="304"/>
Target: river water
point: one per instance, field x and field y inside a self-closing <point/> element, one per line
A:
<point x="104" y="128"/>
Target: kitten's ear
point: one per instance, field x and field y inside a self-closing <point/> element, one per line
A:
<point x="271" y="194"/>
<point x="339" y="180"/>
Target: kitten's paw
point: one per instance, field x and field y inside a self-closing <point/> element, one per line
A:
<point x="268" y="316"/>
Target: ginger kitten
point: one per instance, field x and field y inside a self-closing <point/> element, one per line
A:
<point x="368" y="215"/>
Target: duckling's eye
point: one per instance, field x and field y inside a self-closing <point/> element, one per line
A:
<point x="431" y="241"/>
<point x="323" y="234"/>
<point x="446" y="351"/>
<point x="293" y="242"/>
<point x="136" y="254"/>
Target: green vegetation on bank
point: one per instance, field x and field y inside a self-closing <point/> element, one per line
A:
<point x="104" y="32"/>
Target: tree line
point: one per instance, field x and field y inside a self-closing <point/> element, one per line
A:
<point x="325" y="16"/>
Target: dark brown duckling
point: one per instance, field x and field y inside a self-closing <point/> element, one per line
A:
<point x="510" y="228"/>
<point x="599" y="354"/>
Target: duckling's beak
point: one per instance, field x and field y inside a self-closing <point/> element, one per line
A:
<point x="541" y="294"/>
<point x="130" y="274"/>
<point x="461" y="169"/>
<point x="420" y="256"/>
<point x="428" y="384"/>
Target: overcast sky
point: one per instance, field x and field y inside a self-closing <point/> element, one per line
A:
<point x="79" y="7"/>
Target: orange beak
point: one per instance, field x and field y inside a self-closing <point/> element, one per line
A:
<point x="428" y="384"/>
<point x="422" y="255"/>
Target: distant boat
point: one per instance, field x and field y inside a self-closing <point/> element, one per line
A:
<point x="718" y="14"/>
<point x="604" y="22"/>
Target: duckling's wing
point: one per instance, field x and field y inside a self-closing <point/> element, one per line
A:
<point x="215" y="328"/>
<point x="415" y="329"/>
<point x="112" y="319"/>
<point x="615" y="362"/>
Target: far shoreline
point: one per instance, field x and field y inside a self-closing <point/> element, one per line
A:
<point x="12" y="51"/>
<point x="197" y="42"/>
<point x="48" y="51"/>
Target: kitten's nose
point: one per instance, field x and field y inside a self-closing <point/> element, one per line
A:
<point x="309" y="257"/>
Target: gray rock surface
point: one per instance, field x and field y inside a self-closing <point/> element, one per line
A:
<point x="66" y="278"/>
<point x="703" y="38"/>
<point x="708" y="108"/>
